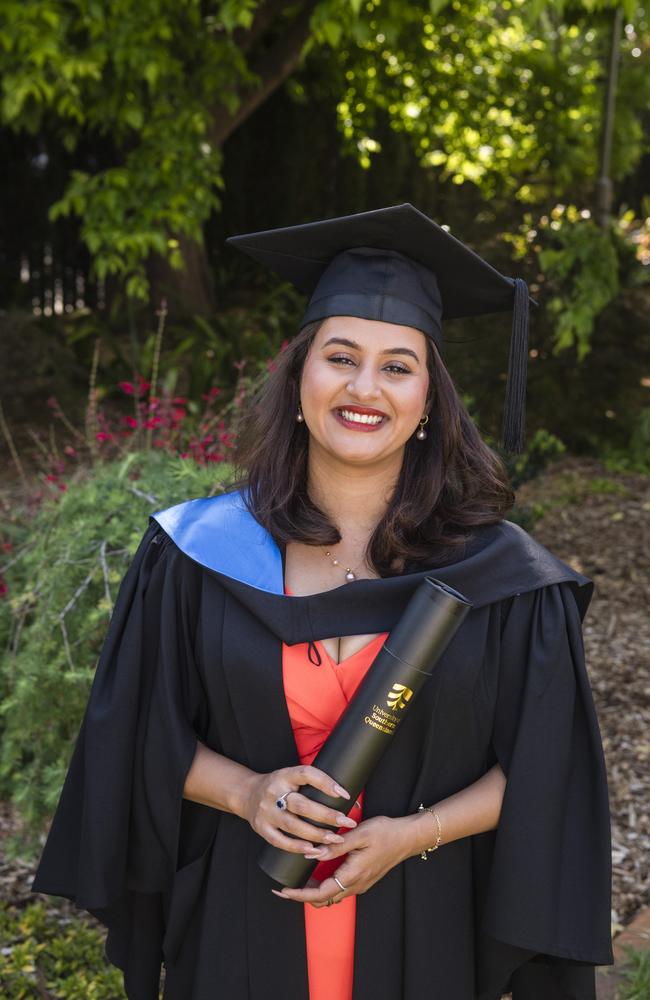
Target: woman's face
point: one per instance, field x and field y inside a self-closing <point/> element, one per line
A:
<point x="359" y="370"/>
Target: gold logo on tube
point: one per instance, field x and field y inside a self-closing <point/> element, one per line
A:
<point x="398" y="696"/>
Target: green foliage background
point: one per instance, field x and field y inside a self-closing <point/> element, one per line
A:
<point x="138" y="136"/>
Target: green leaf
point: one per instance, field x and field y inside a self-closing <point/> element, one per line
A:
<point x="332" y="30"/>
<point x="137" y="287"/>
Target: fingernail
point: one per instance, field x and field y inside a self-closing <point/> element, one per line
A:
<point x="312" y="857"/>
<point x="346" y="821"/>
<point x="333" y="838"/>
<point x="277" y="893"/>
<point x="341" y="791"/>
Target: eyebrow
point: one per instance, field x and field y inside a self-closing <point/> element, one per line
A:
<point x="357" y="347"/>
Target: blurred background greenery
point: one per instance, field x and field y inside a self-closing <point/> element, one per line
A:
<point x="136" y="137"/>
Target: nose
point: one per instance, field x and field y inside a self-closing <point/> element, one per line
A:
<point x="363" y="383"/>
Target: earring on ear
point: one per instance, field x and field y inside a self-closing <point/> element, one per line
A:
<point x="299" y="417"/>
<point x="421" y="434"/>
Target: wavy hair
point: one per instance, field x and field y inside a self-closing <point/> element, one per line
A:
<point x="449" y="484"/>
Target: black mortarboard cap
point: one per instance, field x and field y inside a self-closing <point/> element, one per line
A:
<point x="396" y="265"/>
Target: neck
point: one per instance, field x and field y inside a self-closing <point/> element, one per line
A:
<point x="354" y="497"/>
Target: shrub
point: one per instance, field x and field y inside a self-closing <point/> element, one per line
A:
<point x="542" y="449"/>
<point x="46" y="956"/>
<point x="636" y="457"/>
<point x="60" y="592"/>
<point x="636" y="975"/>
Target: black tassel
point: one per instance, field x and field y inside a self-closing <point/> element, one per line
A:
<point x="514" y="411"/>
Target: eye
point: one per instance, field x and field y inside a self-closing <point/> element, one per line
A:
<point x="393" y="367"/>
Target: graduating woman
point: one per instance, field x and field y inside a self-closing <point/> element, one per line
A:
<point x="476" y="860"/>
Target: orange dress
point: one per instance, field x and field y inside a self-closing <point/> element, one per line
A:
<point x="316" y="697"/>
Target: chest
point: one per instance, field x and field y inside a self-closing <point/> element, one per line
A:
<point x="309" y="572"/>
<point x="343" y="647"/>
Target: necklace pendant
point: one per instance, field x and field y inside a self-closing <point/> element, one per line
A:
<point x="349" y="576"/>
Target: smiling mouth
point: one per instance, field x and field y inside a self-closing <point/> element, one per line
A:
<point x="361" y="421"/>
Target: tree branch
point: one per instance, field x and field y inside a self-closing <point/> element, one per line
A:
<point x="272" y="68"/>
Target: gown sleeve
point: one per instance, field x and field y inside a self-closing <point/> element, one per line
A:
<point x="113" y="844"/>
<point x="546" y="919"/>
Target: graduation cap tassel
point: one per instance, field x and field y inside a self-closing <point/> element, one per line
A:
<point x="514" y="411"/>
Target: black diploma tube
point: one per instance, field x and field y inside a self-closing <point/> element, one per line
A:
<point x="380" y="703"/>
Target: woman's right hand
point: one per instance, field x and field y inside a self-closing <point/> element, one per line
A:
<point x="275" y="825"/>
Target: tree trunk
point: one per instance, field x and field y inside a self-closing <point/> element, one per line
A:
<point x="191" y="291"/>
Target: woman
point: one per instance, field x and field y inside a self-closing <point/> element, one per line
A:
<point x="242" y="630"/>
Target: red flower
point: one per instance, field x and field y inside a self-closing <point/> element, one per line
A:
<point x="127" y="387"/>
<point x="179" y="413"/>
<point x="4" y="589"/>
<point x="52" y="479"/>
<point x="284" y="345"/>
<point x="153" y="422"/>
<point x="104" y="436"/>
<point x="63" y="487"/>
<point x="130" y="421"/>
<point x="179" y="400"/>
<point x="69" y="450"/>
<point x="7" y="546"/>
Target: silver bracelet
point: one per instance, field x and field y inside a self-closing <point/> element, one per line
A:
<point x="423" y="808"/>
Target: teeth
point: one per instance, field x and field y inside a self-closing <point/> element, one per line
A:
<point x="360" y="418"/>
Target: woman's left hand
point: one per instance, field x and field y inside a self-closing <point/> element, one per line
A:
<point x="374" y="847"/>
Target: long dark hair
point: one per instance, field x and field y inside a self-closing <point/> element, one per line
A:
<point x="449" y="484"/>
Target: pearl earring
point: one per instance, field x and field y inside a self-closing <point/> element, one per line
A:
<point x="421" y="434"/>
<point x="299" y="416"/>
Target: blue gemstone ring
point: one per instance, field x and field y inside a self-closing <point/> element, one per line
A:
<point x="281" y="802"/>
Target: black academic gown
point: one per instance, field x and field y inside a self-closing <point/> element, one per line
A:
<point x="193" y="651"/>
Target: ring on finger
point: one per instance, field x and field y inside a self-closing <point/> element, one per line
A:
<point x="281" y="803"/>
<point x="339" y="883"/>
